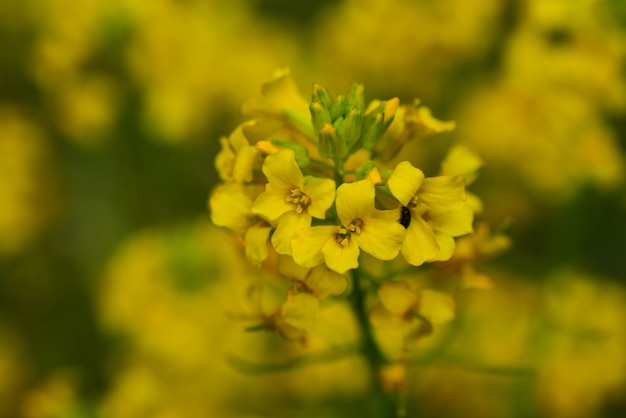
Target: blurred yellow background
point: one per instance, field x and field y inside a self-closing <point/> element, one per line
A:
<point x="115" y="290"/>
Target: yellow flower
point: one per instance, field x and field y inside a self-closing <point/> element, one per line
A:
<point x="399" y="299"/>
<point x="300" y="310"/>
<point x="462" y="161"/>
<point x="282" y="112"/>
<point x="406" y="312"/>
<point x="235" y="162"/>
<point x="435" y="213"/>
<point x="362" y="227"/>
<point x="230" y="206"/>
<point x="480" y="245"/>
<point x="310" y="287"/>
<point x="290" y="198"/>
<point x="319" y="281"/>
<point x="410" y="122"/>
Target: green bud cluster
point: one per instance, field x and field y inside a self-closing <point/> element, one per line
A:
<point x="343" y="125"/>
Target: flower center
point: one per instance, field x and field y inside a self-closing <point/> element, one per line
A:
<point x="342" y="233"/>
<point x="299" y="199"/>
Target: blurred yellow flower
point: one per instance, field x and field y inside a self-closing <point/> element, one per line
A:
<point x="236" y="160"/>
<point x="231" y="207"/>
<point x="30" y="196"/>
<point x="409" y="122"/>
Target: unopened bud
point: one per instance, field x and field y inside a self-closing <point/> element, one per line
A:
<point x="321" y="95"/>
<point x="351" y="130"/>
<point x="319" y="116"/>
<point x="372" y="130"/>
<point x="338" y="107"/>
<point x="356" y="98"/>
<point x="330" y="145"/>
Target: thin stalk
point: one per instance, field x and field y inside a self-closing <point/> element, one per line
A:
<point x="387" y="404"/>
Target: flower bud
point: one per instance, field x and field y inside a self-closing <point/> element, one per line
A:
<point x="351" y="129"/>
<point x="364" y="169"/>
<point x="356" y="98"/>
<point x="330" y="145"/>
<point x="373" y="128"/>
<point x="321" y="96"/>
<point x="338" y="107"/>
<point x="319" y="116"/>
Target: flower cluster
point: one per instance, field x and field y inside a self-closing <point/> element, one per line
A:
<point x="315" y="188"/>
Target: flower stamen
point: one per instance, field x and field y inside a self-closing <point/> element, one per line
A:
<point x="343" y="234"/>
<point x="300" y="200"/>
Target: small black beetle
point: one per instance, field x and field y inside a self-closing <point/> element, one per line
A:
<point x="405" y="217"/>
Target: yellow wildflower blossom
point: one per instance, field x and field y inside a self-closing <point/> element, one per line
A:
<point x="290" y="198"/>
<point x="235" y="162"/>
<point x="319" y="281"/>
<point x="398" y="298"/>
<point x="230" y="207"/>
<point x="406" y="312"/>
<point x="410" y="122"/>
<point x="463" y="161"/>
<point x="435" y="213"/>
<point x="362" y="227"/>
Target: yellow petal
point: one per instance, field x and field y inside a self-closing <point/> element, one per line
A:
<point x="288" y="268"/>
<point x="288" y="224"/>
<point x="375" y="177"/>
<point x="462" y="161"/>
<point x="271" y="204"/>
<point x="307" y="244"/>
<point x="397" y="297"/>
<point x="382" y="318"/>
<point x="381" y="238"/>
<point x="237" y="139"/>
<point x="340" y="258"/>
<point x="243" y="170"/>
<point x="230" y="207"/>
<point x="427" y="124"/>
<point x="420" y="243"/>
<point x="471" y="279"/>
<point x="324" y="282"/>
<point x="446" y="247"/>
<point x="437" y="307"/>
<point x="443" y="192"/>
<point x="225" y="160"/>
<point x="473" y="202"/>
<point x="266" y="147"/>
<point x="283" y="93"/>
<point x="322" y="194"/>
<point x="355" y="201"/>
<point x="300" y="310"/>
<point x="405" y="181"/>
<point x="256" y="243"/>
<point x="282" y="170"/>
<point x="452" y="222"/>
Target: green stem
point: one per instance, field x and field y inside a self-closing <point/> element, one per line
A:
<point x="339" y="172"/>
<point x="323" y="164"/>
<point x="387" y="404"/>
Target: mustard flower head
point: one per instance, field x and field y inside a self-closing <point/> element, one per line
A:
<point x="322" y="205"/>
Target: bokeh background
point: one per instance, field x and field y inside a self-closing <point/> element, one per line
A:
<point x="115" y="288"/>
